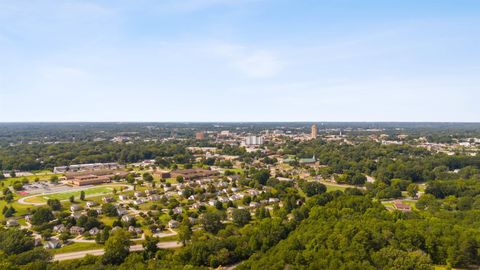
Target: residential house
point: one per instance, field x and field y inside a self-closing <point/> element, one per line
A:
<point x="94" y="231"/>
<point x="12" y="223"/>
<point x="76" y="230"/>
<point x="173" y="224"/>
<point x="59" y="228"/>
<point x="127" y="218"/>
<point x="75" y="208"/>
<point x="91" y="204"/>
<point x="178" y="210"/>
<point x="399" y="205"/>
<point x="139" y="194"/>
<point x="154" y="197"/>
<point x="52" y="244"/>
<point x="108" y="199"/>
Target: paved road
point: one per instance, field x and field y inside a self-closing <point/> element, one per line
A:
<point x="99" y="252"/>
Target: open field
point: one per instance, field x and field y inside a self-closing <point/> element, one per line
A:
<point x="65" y="195"/>
<point x="334" y="187"/>
<point x="77" y="246"/>
<point x="31" y="178"/>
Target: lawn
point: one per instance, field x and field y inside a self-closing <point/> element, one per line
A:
<point x="66" y="195"/>
<point x="43" y="177"/>
<point x="77" y="247"/>
<point x="333" y="188"/>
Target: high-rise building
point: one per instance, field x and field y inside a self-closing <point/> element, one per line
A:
<point x="253" y="140"/>
<point x="200" y="136"/>
<point x="314" y="131"/>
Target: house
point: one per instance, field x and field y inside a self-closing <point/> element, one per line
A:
<point x="76" y="215"/>
<point x="52" y="244"/>
<point x="108" y="199"/>
<point x="76" y="230"/>
<point x="138" y="201"/>
<point x="399" y="205"/>
<point x="273" y="200"/>
<point x="91" y="204"/>
<point x="116" y="228"/>
<point x="236" y="197"/>
<point x="162" y="174"/>
<point x="173" y="224"/>
<point x="197" y="205"/>
<point x="75" y="208"/>
<point x="94" y="231"/>
<point x="12" y="223"/>
<point x="135" y="230"/>
<point x="28" y="218"/>
<point x="254" y="205"/>
<point x="154" y="197"/>
<point x="59" y="228"/>
<point x="223" y="199"/>
<point x="150" y="192"/>
<point x="178" y="210"/>
<point x="127" y="218"/>
<point x="139" y="194"/>
<point x="121" y="211"/>
<point x="212" y="202"/>
<point x="123" y="197"/>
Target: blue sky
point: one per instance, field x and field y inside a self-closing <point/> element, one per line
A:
<point x="240" y="60"/>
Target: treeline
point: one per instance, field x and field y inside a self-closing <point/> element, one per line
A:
<point x="384" y="162"/>
<point x="352" y="232"/>
<point x="40" y="156"/>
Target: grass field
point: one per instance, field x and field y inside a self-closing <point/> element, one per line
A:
<point x="77" y="247"/>
<point x="66" y="195"/>
<point x="31" y="178"/>
<point x="333" y="188"/>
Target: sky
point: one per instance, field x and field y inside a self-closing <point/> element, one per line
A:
<point x="239" y="60"/>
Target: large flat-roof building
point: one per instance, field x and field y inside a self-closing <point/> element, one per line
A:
<point x="193" y="173"/>
<point x="92" y="177"/>
<point x="87" y="167"/>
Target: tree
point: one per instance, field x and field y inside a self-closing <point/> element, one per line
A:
<point x="313" y="188"/>
<point x="261" y="176"/>
<point x="412" y="190"/>
<point x="109" y="210"/>
<point x="358" y="179"/>
<point x="147" y="177"/>
<point x="17" y="186"/>
<point x="72" y="199"/>
<point x="14" y="241"/>
<point x="150" y="246"/>
<point x="241" y="217"/>
<point x="54" y="179"/>
<point x="219" y="205"/>
<point x="212" y="222"/>
<point x="41" y="216"/>
<point x="185" y="231"/>
<point x="117" y="247"/>
<point x="103" y="235"/>
<point x="180" y="179"/>
<point x="82" y="195"/>
<point x="9" y="212"/>
<point x="54" y="204"/>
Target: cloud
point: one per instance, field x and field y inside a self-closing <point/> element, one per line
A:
<point x="254" y="63"/>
